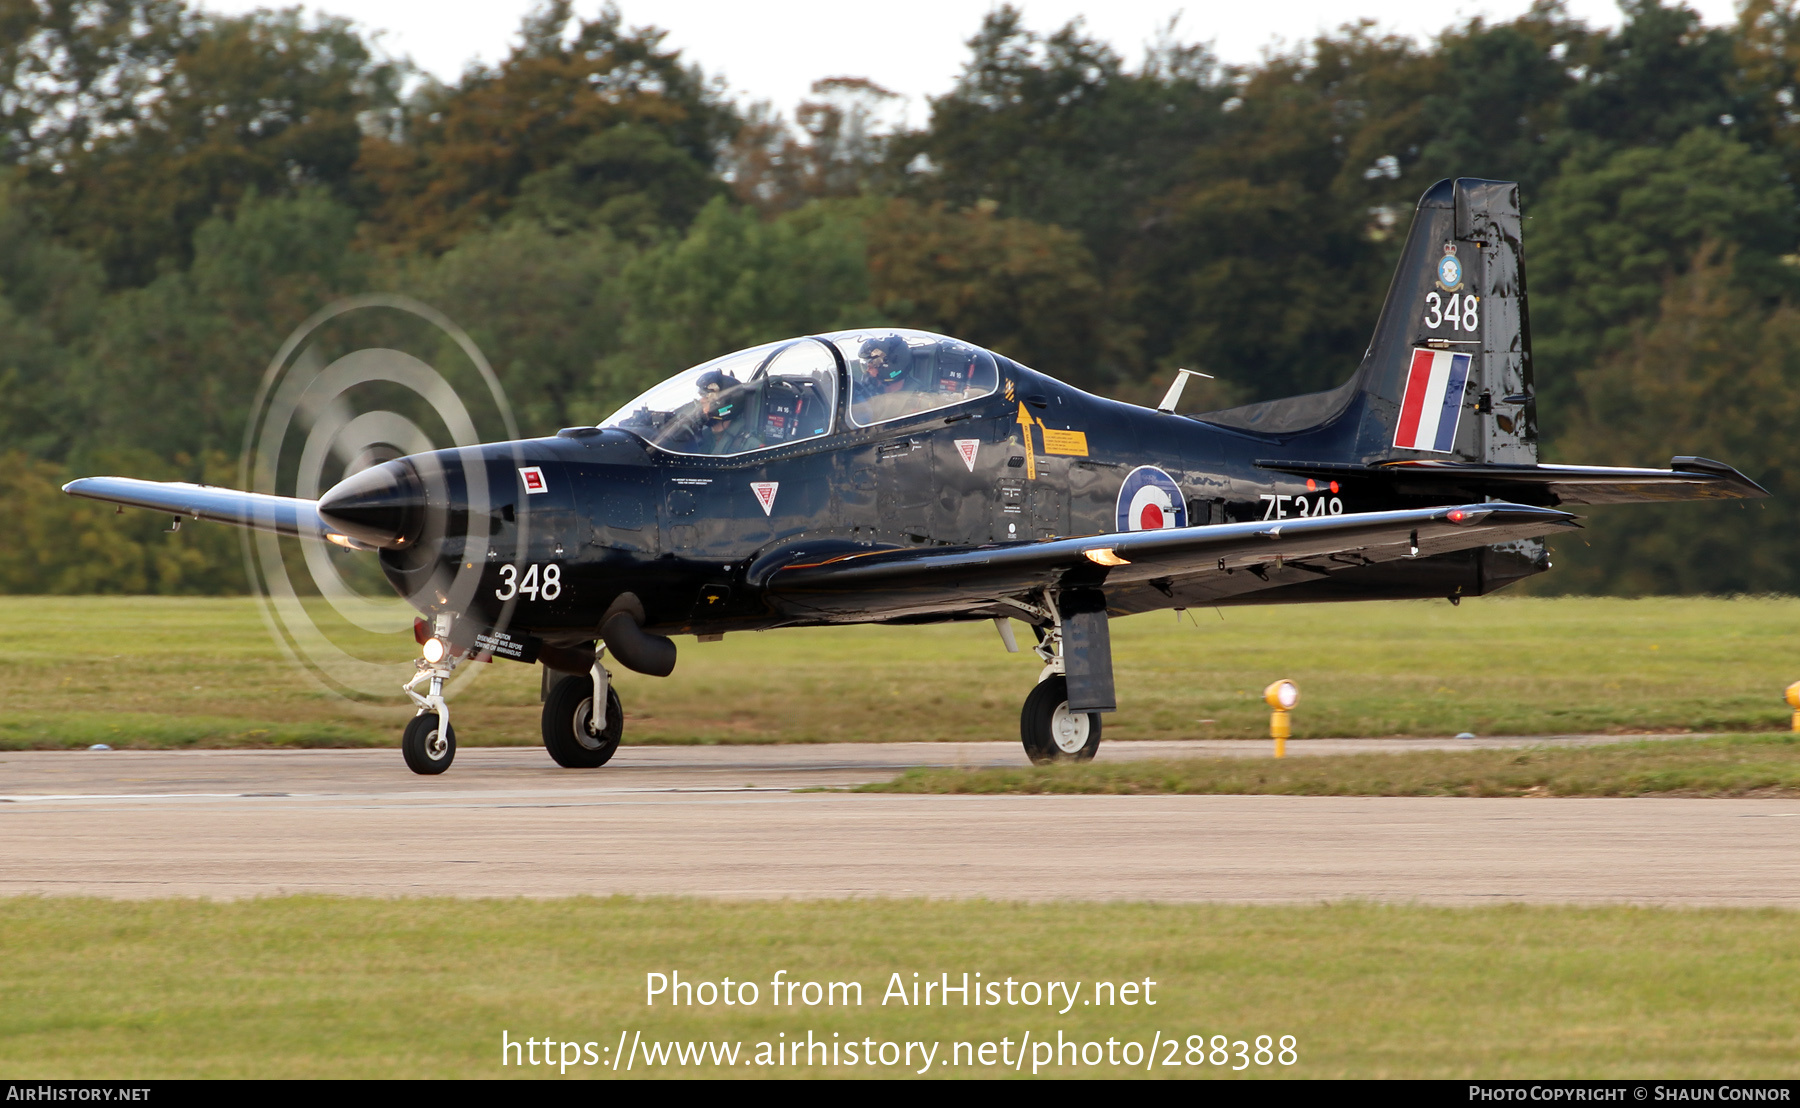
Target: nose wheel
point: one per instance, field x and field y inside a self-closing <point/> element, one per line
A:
<point x="428" y="744"/>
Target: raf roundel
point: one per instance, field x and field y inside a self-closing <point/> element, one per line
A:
<point x="1150" y="500"/>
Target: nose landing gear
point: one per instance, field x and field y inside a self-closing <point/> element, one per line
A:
<point x="429" y="743"/>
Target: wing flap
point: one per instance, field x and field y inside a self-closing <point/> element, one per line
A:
<point x="283" y="515"/>
<point x="927" y="577"/>
<point x="1542" y="484"/>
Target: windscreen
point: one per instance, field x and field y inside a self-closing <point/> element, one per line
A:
<point x="755" y="399"/>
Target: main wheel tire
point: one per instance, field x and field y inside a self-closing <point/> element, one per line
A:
<point x="569" y="732"/>
<point x="1052" y="733"/>
<point x="427" y="747"/>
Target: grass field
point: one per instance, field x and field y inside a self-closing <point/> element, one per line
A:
<point x="322" y="987"/>
<point x="412" y="988"/>
<point x="1722" y="766"/>
<point x="148" y="671"/>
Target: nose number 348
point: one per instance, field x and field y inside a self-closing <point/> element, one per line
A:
<point x="538" y="586"/>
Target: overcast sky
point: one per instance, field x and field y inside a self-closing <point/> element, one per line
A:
<point x="774" y="49"/>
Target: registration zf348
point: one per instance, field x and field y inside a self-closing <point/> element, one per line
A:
<point x="1276" y="506"/>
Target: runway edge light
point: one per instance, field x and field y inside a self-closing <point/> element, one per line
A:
<point x="1793" y="699"/>
<point x="1281" y="696"/>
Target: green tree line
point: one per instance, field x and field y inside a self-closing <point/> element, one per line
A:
<point x="180" y="189"/>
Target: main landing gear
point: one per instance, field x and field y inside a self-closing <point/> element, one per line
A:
<point x="1048" y="729"/>
<point x="573" y="735"/>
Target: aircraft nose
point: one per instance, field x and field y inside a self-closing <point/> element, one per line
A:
<point x="383" y="505"/>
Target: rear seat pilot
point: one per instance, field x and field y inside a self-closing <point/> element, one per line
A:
<point x="882" y="391"/>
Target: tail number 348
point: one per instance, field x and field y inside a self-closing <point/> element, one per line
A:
<point x="538" y="586"/>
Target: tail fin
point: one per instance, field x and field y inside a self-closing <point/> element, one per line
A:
<point x="1448" y="375"/>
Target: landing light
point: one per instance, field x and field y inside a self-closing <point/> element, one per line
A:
<point x="1104" y="556"/>
<point x="434" y="650"/>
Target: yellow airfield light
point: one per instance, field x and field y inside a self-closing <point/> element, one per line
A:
<point x="1281" y="696"/>
<point x="1793" y="699"/>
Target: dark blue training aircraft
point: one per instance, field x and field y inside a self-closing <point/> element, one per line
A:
<point x="894" y="476"/>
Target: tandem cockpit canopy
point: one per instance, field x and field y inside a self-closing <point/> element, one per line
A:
<point x="785" y="392"/>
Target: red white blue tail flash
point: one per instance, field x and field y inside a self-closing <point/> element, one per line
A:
<point x="1433" y="403"/>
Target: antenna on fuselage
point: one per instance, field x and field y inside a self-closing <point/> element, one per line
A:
<point x="1173" y="396"/>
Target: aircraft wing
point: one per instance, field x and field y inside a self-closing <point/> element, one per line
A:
<point x="1549" y="485"/>
<point x="927" y="579"/>
<point x="283" y="515"/>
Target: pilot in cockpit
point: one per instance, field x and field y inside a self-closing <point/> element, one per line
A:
<point x="881" y="389"/>
<point x="717" y="428"/>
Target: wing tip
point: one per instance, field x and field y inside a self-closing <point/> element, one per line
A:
<point x="82" y="486"/>
<point x="1721" y="471"/>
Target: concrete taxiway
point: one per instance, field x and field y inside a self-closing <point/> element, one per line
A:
<point x="726" y="821"/>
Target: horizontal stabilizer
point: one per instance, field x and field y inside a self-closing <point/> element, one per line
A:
<point x="928" y="578"/>
<point x="283" y="515"/>
<point x="1544" y="485"/>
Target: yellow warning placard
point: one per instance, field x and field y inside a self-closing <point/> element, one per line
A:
<point x="1065" y="442"/>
